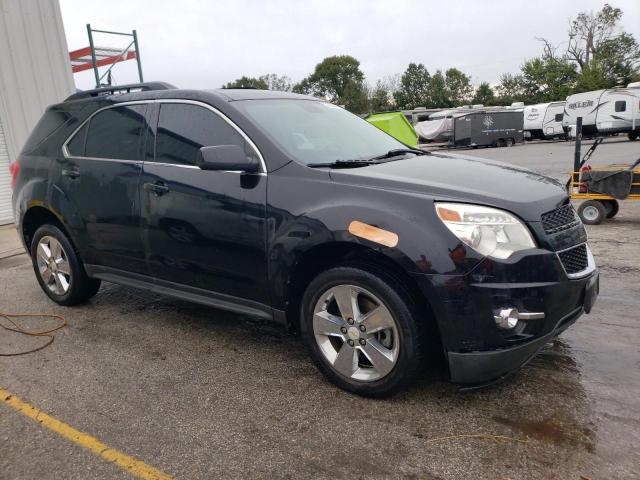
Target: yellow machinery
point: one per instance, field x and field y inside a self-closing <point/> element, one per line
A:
<point x="602" y="188"/>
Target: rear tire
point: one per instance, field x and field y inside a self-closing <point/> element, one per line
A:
<point x="58" y="268"/>
<point x="509" y="142"/>
<point x="592" y="212"/>
<point x="633" y="135"/>
<point x="611" y="207"/>
<point x="500" y="143"/>
<point x="374" y="355"/>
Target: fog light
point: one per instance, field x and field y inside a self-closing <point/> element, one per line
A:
<point x="507" y="318"/>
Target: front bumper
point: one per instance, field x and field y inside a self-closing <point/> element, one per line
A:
<point x="478" y="352"/>
<point x="482" y="368"/>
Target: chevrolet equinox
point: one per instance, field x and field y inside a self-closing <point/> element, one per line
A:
<point x="288" y="208"/>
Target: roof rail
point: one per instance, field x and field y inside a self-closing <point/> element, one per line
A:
<point x="98" y="92"/>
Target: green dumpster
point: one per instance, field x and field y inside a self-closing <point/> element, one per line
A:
<point x="396" y="125"/>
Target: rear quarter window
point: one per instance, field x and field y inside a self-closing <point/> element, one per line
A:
<point x="51" y="122"/>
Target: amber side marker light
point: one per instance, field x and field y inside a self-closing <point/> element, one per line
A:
<point x="448" y="215"/>
<point x="373" y="234"/>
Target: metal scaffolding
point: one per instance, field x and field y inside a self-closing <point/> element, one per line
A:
<point x="93" y="57"/>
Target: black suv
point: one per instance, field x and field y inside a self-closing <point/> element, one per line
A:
<point x="288" y="208"/>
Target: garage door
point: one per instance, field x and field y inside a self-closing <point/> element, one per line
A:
<point x="6" y="215"/>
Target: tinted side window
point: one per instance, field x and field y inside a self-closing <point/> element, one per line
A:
<point x="183" y="129"/>
<point x="621" y="106"/>
<point x="76" y="146"/>
<point x="117" y="133"/>
<point x="559" y="117"/>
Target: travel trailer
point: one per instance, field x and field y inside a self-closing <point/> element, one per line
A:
<point x="605" y="111"/>
<point x="544" y="120"/>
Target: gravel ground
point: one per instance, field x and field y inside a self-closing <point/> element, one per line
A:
<point x="200" y="393"/>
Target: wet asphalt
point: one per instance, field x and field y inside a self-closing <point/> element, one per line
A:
<point x="201" y="393"/>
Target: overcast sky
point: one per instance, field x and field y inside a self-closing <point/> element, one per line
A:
<point x="203" y="44"/>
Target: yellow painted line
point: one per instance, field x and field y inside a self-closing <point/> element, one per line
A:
<point x="128" y="463"/>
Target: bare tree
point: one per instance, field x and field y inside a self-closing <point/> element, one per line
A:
<point x="589" y="31"/>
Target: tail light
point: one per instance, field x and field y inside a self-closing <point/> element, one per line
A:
<point x="14" y="169"/>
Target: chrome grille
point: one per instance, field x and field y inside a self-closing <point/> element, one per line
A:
<point x="560" y="219"/>
<point x="575" y="259"/>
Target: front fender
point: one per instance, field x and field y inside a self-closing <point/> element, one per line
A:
<point x="318" y="211"/>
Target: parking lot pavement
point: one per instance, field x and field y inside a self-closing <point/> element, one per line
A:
<point x="556" y="158"/>
<point x="200" y="393"/>
<point x="11" y="250"/>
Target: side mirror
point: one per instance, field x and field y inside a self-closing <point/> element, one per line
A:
<point x="226" y="157"/>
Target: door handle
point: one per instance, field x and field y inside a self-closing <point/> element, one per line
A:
<point x="72" y="172"/>
<point x="159" y="188"/>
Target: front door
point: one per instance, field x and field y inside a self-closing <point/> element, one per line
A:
<point x="99" y="185"/>
<point x="203" y="229"/>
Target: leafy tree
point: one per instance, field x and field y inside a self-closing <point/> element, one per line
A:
<point x="511" y="89"/>
<point x="548" y="78"/>
<point x="618" y="60"/>
<point x="484" y="95"/>
<point x="247" y="82"/>
<point x="380" y="98"/>
<point x="355" y="97"/>
<point x="333" y="78"/>
<point x="414" y="87"/>
<point x="438" y="92"/>
<point x="458" y="85"/>
<point x="277" y="82"/>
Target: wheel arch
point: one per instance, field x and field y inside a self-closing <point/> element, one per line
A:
<point x="37" y="216"/>
<point x="314" y="261"/>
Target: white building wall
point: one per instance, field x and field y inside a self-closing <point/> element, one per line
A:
<point x="35" y="72"/>
<point x="5" y="181"/>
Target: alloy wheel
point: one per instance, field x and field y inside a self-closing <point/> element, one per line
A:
<point x="53" y="265"/>
<point x="356" y="333"/>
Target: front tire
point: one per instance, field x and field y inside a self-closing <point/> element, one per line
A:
<point x="58" y="268"/>
<point x="361" y="332"/>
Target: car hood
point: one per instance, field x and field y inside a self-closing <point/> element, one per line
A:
<point x="449" y="177"/>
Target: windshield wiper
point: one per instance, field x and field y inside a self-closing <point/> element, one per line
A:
<point x="345" y="163"/>
<point x="399" y="151"/>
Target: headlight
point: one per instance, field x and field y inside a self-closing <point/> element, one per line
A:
<point x="489" y="231"/>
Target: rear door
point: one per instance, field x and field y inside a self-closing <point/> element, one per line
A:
<point x="203" y="229"/>
<point x="100" y="175"/>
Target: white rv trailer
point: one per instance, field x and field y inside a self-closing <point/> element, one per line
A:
<point x="605" y="111"/>
<point x="544" y="120"/>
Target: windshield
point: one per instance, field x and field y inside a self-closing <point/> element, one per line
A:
<point x="317" y="132"/>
